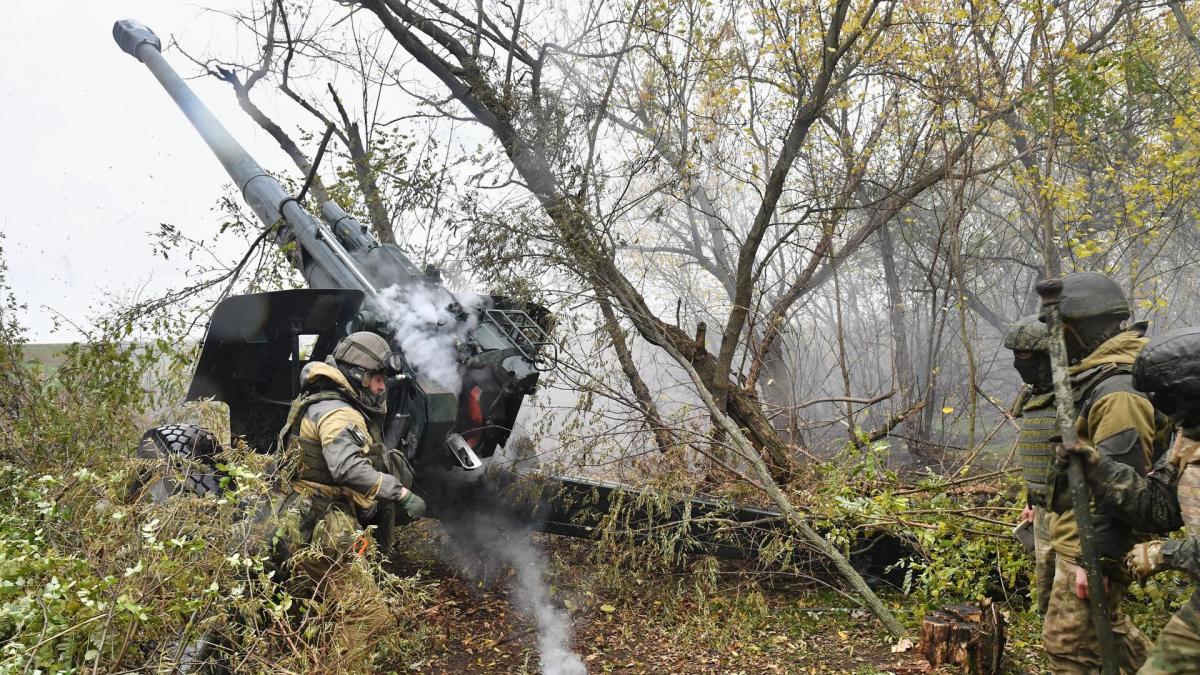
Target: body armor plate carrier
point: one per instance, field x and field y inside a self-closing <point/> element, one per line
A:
<point x="1189" y="487"/>
<point x="1038" y="426"/>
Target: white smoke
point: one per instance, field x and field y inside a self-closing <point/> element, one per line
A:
<point x="553" y="624"/>
<point x="484" y="536"/>
<point x="427" y="330"/>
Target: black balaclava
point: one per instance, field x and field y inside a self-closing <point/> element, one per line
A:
<point x="1183" y="407"/>
<point x="1083" y="336"/>
<point x="1035" y="370"/>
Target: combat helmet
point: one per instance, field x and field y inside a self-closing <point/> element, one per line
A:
<point x="1093" y="309"/>
<point x="361" y="355"/>
<point x="364" y="350"/>
<point x="1090" y="294"/>
<point x="1167" y="370"/>
<point x="1028" y="339"/>
<point x="1027" y="334"/>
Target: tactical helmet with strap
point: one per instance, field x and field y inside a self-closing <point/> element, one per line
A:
<point x="1093" y="309"/>
<point x="360" y="356"/>
<point x="364" y="350"/>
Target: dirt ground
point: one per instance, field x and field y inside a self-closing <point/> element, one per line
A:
<point x="474" y="628"/>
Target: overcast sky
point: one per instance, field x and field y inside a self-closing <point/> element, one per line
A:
<point x="98" y="155"/>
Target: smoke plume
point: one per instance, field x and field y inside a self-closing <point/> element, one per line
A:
<point x="483" y="538"/>
<point x="428" y="331"/>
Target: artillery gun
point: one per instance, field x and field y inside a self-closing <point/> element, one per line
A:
<point x="251" y="359"/>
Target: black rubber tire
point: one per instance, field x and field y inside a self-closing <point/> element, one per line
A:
<point x="189" y="450"/>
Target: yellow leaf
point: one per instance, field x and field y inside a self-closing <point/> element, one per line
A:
<point x="607" y="608"/>
<point x="947" y="410"/>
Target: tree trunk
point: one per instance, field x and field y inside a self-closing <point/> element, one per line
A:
<point x="662" y="435"/>
<point x="902" y="361"/>
<point x="778" y="391"/>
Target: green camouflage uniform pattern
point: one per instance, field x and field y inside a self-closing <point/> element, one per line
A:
<point x="1162" y="502"/>
<point x="1069" y="636"/>
<point x="1044" y="559"/>
<point x="315" y="536"/>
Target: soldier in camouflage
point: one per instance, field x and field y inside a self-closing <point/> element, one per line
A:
<point x="340" y="478"/>
<point x="1120" y="423"/>
<point x="1027" y="341"/>
<point x="1168" y="371"/>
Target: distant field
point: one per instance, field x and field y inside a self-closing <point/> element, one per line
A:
<point x="49" y="354"/>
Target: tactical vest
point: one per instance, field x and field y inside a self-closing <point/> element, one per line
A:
<point x="305" y="463"/>
<point x="1038" y="426"/>
<point x="309" y="462"/>
<point x="1189" y="486"/>
<point x="1083" y="383"/>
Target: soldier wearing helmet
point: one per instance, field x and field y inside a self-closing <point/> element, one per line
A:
<point x="1168" y="371"/>
<point x="335" y="459"/>
<point x="1120" y="423"/>
<point x="1031" y="358"/>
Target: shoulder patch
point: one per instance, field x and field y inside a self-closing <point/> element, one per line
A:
<point x="356" y="434"/>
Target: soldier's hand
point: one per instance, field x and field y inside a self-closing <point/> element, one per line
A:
<point x="1081" y="583"/>
<point x="1145" y="560"/>
<point x="414" y="506"/>
<point x="1063" y="452"/>
<point x="1027" y="514"/>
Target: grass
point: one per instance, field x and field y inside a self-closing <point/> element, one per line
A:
<point x="48" y="354"/>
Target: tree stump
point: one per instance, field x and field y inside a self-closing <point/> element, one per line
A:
<point x="968" y="636"/>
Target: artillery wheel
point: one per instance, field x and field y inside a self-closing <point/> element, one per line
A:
<point x="188" y="455"/>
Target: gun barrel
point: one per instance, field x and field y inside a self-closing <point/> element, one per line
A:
<point x="327" y="264"/>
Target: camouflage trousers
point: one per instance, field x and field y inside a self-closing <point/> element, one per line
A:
<point x="317" y="537"/>
<point x="1070" y="637"/>
<point x="1178" y="646"/>
<point x="1043" y="555"/>
<point x="319" y="543"/>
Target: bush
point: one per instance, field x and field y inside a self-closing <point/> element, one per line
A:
<point x="93" y="576"/>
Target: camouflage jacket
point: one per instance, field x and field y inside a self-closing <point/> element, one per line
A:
<point x="339" y="445"/>
<point x="1151" y="503"/>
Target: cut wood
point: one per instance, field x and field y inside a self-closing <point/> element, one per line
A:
<point x="968" y="636"/>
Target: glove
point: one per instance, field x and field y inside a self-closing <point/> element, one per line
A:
<point x="1145" y="560"/>
<point x="1063" y="452"/>
<point x="412" y="505"/>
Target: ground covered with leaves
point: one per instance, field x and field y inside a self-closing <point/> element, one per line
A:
<point x="680" y="621"/>
<point x="701" y="616"/>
